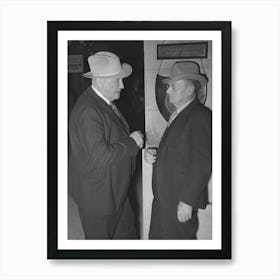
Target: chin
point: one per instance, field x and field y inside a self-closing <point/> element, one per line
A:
<point x="117" y="96"/>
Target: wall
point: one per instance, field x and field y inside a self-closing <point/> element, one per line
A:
<point x="156" y="124"/>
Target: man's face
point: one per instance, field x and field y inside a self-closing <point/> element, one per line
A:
<point x="179" y="92"/>
<point x="111" y="88"/>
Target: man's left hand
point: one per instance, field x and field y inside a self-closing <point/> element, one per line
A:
<point x="184" y="212"/>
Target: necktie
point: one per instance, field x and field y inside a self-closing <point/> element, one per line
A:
<point x="120" y="117"/>
<point x="115" y="109"/>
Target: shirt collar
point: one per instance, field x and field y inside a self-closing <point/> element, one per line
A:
<point x="101" y="95"/>
<point x="183" y="106"/>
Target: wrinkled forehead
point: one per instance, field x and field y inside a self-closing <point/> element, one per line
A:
<point x="106" y="81"/>
<point x="182" y="82"/>
<point x="111" y="80"/>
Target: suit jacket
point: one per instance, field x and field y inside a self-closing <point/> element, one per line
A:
<point x="101" y="157"/>
<point x="184" y="159"/>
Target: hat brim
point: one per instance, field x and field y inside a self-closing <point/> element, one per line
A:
<point x="126" y="71"/>
<point x="198" y="77"/>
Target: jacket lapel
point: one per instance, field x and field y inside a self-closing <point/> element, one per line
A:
<point x="109" y="110"/>
<point x="124" y="123"/>
<point x="181" y="115"/>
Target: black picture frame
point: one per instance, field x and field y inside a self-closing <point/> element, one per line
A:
<point x="53" y="27"/>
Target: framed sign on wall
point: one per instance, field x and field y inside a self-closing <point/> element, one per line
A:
<point x="182" y="50"/>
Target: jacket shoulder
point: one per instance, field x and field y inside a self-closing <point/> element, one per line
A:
<point x="85" y="104"/>
<point x="202" y="111"/>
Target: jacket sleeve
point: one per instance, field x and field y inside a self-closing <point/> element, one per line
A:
<point x="101" y="153"/>
<point x="194" y="179"/>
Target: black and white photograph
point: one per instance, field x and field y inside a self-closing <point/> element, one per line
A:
<point x="105" y="178"/>
<point x="138" y="139"/>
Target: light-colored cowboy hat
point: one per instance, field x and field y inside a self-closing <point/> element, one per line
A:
<point x="185" y="70"/>
<point x="107" y="65"/>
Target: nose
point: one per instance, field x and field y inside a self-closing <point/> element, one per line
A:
<point x="121" y="86"/>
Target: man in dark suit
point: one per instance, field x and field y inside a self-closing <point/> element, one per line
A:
<point x="102" y="153"/>
<point x="183" y="162"/>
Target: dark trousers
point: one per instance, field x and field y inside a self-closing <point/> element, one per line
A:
<point x="120" y="225"/>
<point x="165" y="225"/>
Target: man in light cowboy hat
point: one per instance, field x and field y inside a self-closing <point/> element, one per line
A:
<point x="183" y="162"/>
<point x="102" y="152"/>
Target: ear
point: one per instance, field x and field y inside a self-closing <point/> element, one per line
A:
<point x="191" y="88"/>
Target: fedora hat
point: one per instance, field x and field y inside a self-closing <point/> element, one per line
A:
<point x="185" y="70"/>
<point x="107" y="65"/>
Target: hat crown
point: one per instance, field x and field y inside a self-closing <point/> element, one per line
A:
<point x="104" y="64"/>
<point x="182" y="68"/>
<point x="186" y="70"/>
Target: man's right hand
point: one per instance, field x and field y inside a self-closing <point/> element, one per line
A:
<point x="150" y="155"/>
<point x="138" y="138"/>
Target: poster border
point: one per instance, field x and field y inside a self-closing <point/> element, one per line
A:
<point x="52" y="139"/>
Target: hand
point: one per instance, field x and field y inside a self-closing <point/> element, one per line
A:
<point x="184" y="212"/>
<point x="150" y="155"/>
<point x="138" y="138"/>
